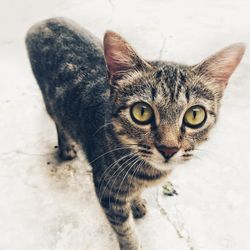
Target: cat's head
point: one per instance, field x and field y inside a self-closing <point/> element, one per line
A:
<point x="162" y="111"/>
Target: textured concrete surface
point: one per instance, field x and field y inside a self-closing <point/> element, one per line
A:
<point x="49" y="205"/>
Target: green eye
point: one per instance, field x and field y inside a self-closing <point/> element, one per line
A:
<point x="195" y="117"/>
<point x="142" y="113"/>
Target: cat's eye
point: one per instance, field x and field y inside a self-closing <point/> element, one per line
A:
<point x="142" y="113"/>
<point x="195" y="117"/>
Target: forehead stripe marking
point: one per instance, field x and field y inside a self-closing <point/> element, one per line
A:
<point x="154" y="93"/>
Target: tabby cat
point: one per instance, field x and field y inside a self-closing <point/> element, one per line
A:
<point x="135" y="119"/>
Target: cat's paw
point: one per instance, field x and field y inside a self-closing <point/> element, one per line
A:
<point x="67" y="153"/>
<point x="139" y="208"/>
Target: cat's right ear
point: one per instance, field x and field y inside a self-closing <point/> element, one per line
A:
<point x="120" y="57"/>
<point x="220" y="66"/>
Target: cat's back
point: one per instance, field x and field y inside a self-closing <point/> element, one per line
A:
<point x="64" y="55"/>
<point x="69" y="66"/>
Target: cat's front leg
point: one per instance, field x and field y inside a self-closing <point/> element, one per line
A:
<point x="121" y="219"/>
<point x="66" y="146"/>
<point x="138" y="207"/>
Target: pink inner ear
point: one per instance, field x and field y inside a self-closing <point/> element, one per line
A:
<point x="221" y="65"/>
<point x="117" y="59"/>
<point x="118" y="53"/>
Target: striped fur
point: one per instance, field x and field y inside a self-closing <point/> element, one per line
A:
<point x="90" y="105"/>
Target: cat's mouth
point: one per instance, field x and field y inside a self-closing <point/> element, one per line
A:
<point x="163" y="156"/>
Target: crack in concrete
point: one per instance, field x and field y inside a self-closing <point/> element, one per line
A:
<point x="24" y="153"/>
<point x="111" y="3"/>
<point x="162" y="48"/>
<point x="181" y="232"/>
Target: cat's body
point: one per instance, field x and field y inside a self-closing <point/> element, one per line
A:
<point x="88" y="108"/>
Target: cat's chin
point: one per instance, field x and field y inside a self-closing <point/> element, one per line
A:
<point x="164" y="166"/>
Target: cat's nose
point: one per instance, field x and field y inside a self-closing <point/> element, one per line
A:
<point x="167" y="152"/>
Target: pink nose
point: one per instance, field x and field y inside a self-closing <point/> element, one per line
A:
<point x="167" y="152"/>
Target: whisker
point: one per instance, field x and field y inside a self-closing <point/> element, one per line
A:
<point x="116" y="149"/>
<point x="108" y="169"/>
<point x="204" y="150"/>
<point x="197" y="157"/>
<point x="208" y="153"/>
<point x="120" y="167"/>
<point x="111" y="166"/>
<point x="126" y="176"/>
<point x="102" y="127"/>
<point x="134" y="173"/>
<point x="132" y="162"/>
<point x="132" y="176"/>
<point x="121" y="170"/>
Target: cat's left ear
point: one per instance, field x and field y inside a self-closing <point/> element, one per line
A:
<point x="120" y="57"/>
<point x="220" y="66"/>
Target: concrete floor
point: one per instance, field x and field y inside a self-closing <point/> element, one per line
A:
<point x="46" y="205"/>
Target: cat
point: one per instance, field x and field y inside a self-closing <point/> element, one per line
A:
<point x="135" y="119"/>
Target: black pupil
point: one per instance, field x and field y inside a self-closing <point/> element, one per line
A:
<point x="142" y="110"/>
<point x="194" y="113"/>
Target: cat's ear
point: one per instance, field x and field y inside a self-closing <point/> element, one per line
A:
<point x="120" y="56"/>
<point x="220" y="66"/>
